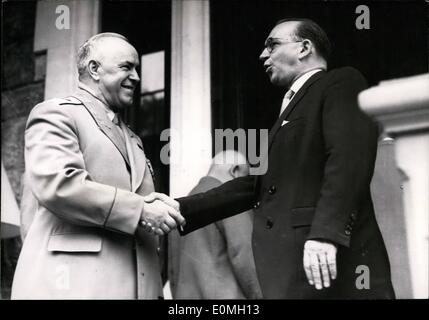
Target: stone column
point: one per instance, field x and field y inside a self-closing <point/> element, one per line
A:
<point x="402" y="107"/>
<point x="190" y="141"/>
<point x="60" y="28"/>
<point x="9" y="209"/>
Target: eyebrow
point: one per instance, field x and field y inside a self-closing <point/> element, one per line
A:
<point x="271" y="39"/>
<point x="126" y="62"/>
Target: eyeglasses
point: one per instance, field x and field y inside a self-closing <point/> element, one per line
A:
<point x="273" y="43"/>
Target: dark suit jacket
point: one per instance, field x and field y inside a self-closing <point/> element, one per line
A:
<point x="320" y="164"/>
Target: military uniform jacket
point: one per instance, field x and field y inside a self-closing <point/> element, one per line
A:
<point x="88" y="179"/>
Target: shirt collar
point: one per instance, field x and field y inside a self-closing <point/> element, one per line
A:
<point x="299" y="82"/>
<point x="109" y="112"/>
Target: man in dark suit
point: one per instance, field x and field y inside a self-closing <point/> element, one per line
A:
<point x="315" y="234"/>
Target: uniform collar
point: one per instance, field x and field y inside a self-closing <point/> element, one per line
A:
<point x="109" y="112"/>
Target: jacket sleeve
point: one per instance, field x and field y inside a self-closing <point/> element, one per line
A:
<point x="350" y="146"/>
<point x="237" y="232"/>
<point x="230" y="198"/>
<point x="59" y="179"/>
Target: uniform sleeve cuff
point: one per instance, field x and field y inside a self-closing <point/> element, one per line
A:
<point x="125" y="213"/>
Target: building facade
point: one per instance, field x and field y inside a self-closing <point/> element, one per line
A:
<point x="203" y="73"/>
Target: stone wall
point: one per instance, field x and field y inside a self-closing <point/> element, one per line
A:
<point x="23" y="74"/>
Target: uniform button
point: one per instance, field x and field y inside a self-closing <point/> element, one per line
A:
<point x="272" y="190"/>
<point x="347" y="232"/>
<point x="257" y="204"/>
<point x="269" y="223"/>
<point x="353" y="215"/>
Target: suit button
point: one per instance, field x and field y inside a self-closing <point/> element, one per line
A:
<point x="347" y="232"/>
<point x="257" y="204"/>
<point x="353" y="215"/>
<point x="269" y="223"/>
<point x="272" y="190"/>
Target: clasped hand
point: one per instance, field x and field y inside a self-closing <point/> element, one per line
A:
<point x="161" y="214"/>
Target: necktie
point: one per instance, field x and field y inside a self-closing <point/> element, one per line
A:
<point x="288" y="97"/>
<point x="116" y="120"/>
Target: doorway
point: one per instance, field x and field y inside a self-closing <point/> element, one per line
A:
<point x="147" y="25"/>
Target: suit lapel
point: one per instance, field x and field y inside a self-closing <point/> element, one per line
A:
<point x="103" y="122"/>
<point x="293" y="103"/>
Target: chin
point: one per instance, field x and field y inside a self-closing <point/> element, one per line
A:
<point x="275" y="82"/>
<point x="127" y="102"/>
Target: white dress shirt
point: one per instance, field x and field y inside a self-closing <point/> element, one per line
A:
<point x="296" y="85"/>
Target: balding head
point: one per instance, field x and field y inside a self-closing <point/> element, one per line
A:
<point x="227" y="165"/>
<point x="308" y="29"/>
<point x="90" y="50"/>
<point x="108" y="65"/>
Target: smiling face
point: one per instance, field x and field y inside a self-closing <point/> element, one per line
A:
<point x="282" y="64"/>
<point x="117" y="72"/>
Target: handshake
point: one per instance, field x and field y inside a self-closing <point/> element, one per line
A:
<point x="161" y="214"/>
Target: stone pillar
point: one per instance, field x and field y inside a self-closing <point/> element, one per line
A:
<point x="402" y="107"/>
<point x="9" y="209"/>
<point x="190" y="140"/>
<point x="60" y="28"/>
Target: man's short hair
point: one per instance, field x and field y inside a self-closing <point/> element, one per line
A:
<point x="308" y="29"/>
<point x="84" y="51"/>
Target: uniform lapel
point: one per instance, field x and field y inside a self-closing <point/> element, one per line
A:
<point x="293" y="103"/>
<point x="136" y="156"/>
<point x="103" y="122"/>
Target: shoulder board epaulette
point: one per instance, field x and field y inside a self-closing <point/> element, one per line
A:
<point x="70" y="100"/>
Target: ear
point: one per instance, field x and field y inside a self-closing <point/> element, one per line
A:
<point x="234" y="171"/>
<point x="93" y="69"/>
<point x="306" y="48"/>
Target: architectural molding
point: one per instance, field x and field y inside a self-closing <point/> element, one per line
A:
<point x="61" y="44"/>
<point x="402" y="107"/>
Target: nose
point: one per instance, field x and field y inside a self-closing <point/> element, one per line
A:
<point x="264" y="55"/>
<point x="135" y="76"/>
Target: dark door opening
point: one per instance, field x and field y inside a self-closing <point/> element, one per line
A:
<point x="147" y="25"/>
<point x="242" y="96"/>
